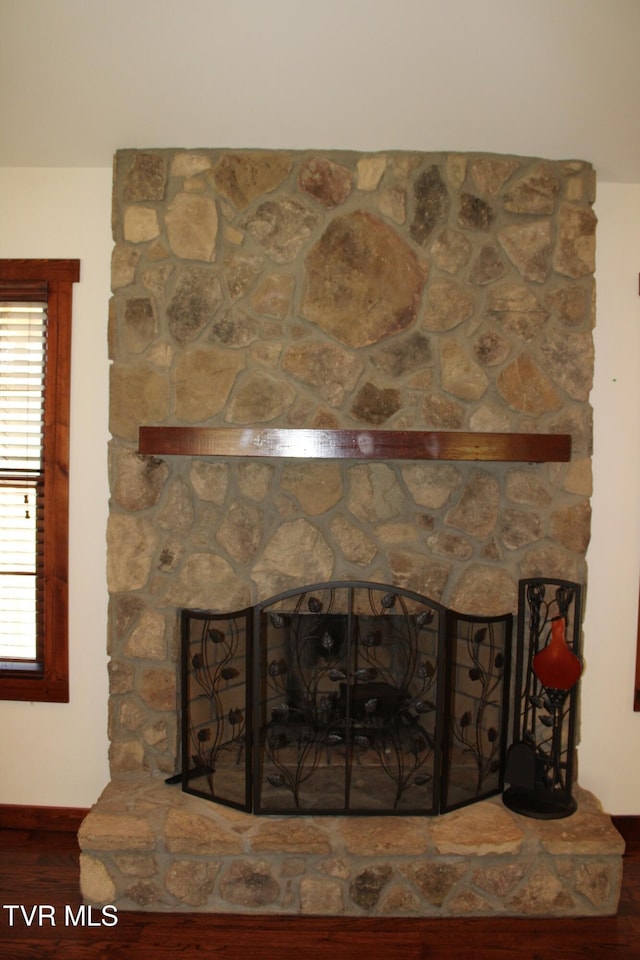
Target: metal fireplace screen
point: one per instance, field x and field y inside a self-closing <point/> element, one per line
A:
<point x="344" y="698"/>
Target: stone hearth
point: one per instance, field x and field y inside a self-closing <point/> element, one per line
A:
<point x="149" y="846"/>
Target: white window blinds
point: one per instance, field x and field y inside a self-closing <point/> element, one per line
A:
<point x="23" y="327"/>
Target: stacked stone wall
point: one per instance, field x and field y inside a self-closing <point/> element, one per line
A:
<point x="313" y="289"/>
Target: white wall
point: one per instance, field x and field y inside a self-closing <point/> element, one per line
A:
<point x="57" y="753"/>
<point x="54" y="753"/>
<point x="610" y="745"/>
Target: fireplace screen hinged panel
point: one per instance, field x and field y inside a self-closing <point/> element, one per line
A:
<point x="344" y="698"/>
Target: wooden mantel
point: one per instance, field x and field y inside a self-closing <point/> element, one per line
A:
<point x="354" y="444"/>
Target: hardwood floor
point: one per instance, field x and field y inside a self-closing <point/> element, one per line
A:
<point x="41" y="867"/>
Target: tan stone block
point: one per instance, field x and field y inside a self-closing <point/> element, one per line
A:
<point x="321" y="897"/>
<point x="398" y="899"/>
<point x="451" y="250"/>
<point x="551" y="560"/>
<point x="120" y="677"/>
<point x="450" y="545"/>
<point x="192" y="227"/>
<point x="316" y="486"/>
<point x="434" y="879"/>
<point x="330" y="369"/>
<point x="203" y="381"/>
<point x="534" y="193"/>
<point x="260" y="397"/>
<point x="126" y="757"/>
<point x="355" y="545"/>
<point x="392" y="203"/>
<point x="196" y="296"/>
<point x="367" y="885"/>
<point x="373" y="493"/>
<point x="586" y="832"/>
<point x="517" y="308"/>
<point x="569" y="361"/>
<point x="187" y="832"/>
<point x="476" y="831"/>
<point x="456" y="167"/>
<point x="136" y="866"/>
<point x="541" y="894"/>
<point x="132" y="716"/>
<point x="158" y="688"/>
<point x="145" y="893"/>
<point x="476" y="511"/>
<point x="600" y="883"/>
<point x="273" y="297"/>
<point x="362" y="281"/>
<point x="191" y="881"/>
<point x="124" y="261"/>
<point x="529" y="247"/>
<point x="578" y="477"/>
<point x="240" y="531"/>
<point x="249" y="883"/>
<point x="447" y="305"/>
<point x="370" y="171"/>
<point x="210" y="480"/>
<point x="140" y="224"/>
<point x="282" y="227"/>
<point x="498" y="881"/>
<point x="139" y="395"/>
<point x="207" y="581"/>
<point x="526" y="388"/>
<point x="576" y="245"/>
<point x="297" y="553"/>
<point x="325" y="180"/>
<point x="139" y="481"/>
<point x="490" y="418"/>
<point x="115" y="831"/>
<point x="241" y="177"/>
<point x="490" y="173"/>
<point x="519" y="527"/>
<point x="289" y="836"/>
<point x="467" y="903"/>
<point x="187" y="164"/>
<point x="526" y="486"/>
<point x="485" y="590"/>
<point x="431" y="485"/>
<point x="410" y="568"/>
<point x="571" y="526"/>
<point x="96" y="883"/>
<point x="339" y="867"/>
<point x="131" y="545"/>
<point x="460" y="375"/>
<point x="378" y="836"/>
<point x="148" y="639"/>
<point x="254" y="480"/>
<point x="397" y="532"/>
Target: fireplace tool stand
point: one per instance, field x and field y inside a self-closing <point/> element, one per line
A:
<point x="540" y="762"/>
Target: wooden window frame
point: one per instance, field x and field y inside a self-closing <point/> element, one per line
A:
<point x="50" y="682"/>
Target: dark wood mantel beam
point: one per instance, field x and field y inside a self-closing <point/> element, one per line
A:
<point x="354" y="444"/>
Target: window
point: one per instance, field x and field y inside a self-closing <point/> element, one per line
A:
<point x="35" y="363"/>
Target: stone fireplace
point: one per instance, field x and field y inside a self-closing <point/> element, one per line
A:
<point x="326" y="291"/>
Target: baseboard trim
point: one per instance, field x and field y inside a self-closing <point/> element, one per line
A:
<point x="23" y="817"/>
<point x="68" y="820"/>
<point x="628" y="826"/>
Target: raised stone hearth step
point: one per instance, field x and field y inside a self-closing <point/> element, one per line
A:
<point x="149" y="846"/>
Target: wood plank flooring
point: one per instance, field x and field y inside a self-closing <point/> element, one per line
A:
<point x="41" y="867"/>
